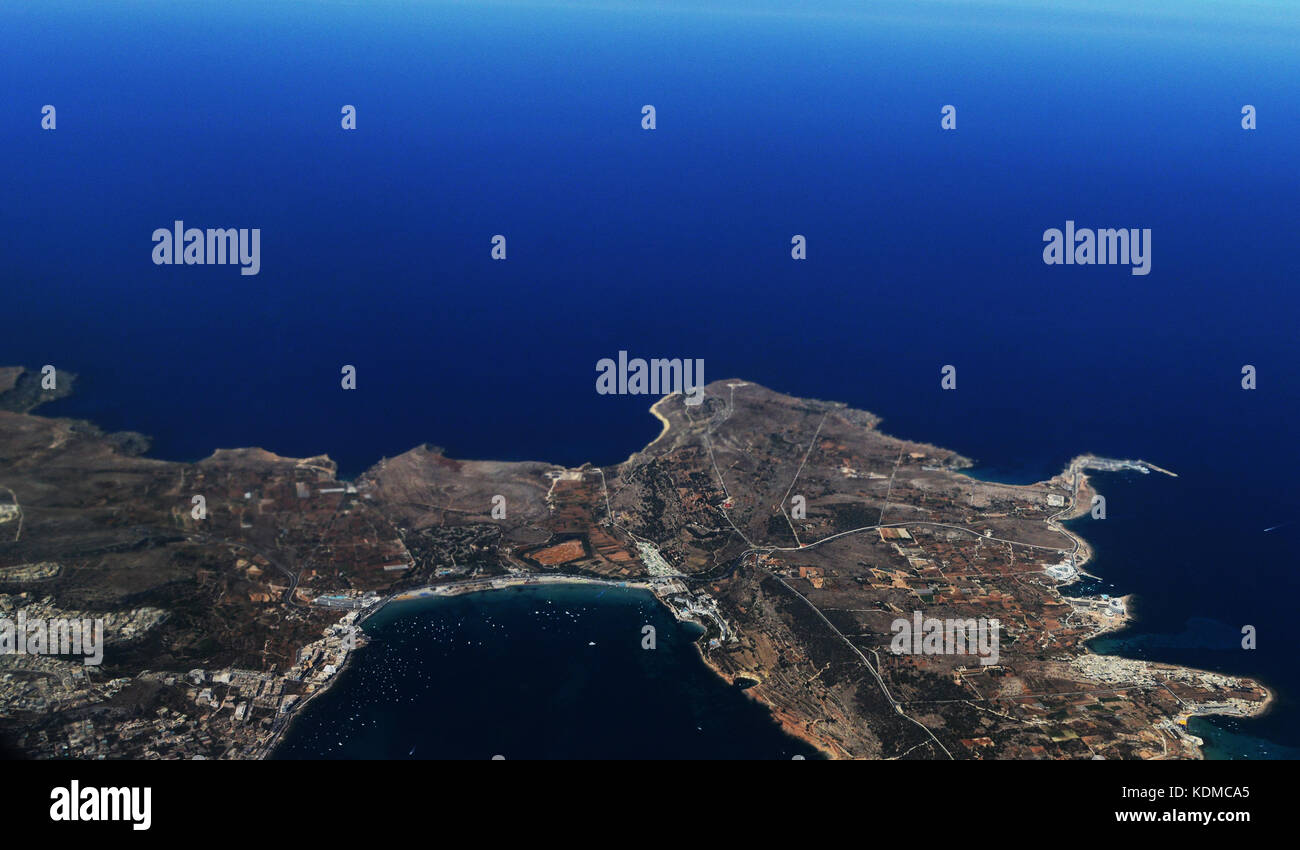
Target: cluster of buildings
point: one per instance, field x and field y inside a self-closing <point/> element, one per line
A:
<point x="226" y="713"/>
<point x="701" y="608"/>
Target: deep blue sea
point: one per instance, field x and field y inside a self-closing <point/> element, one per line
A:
<point x="529" y="673"/>
<point x="524" y="119"/>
